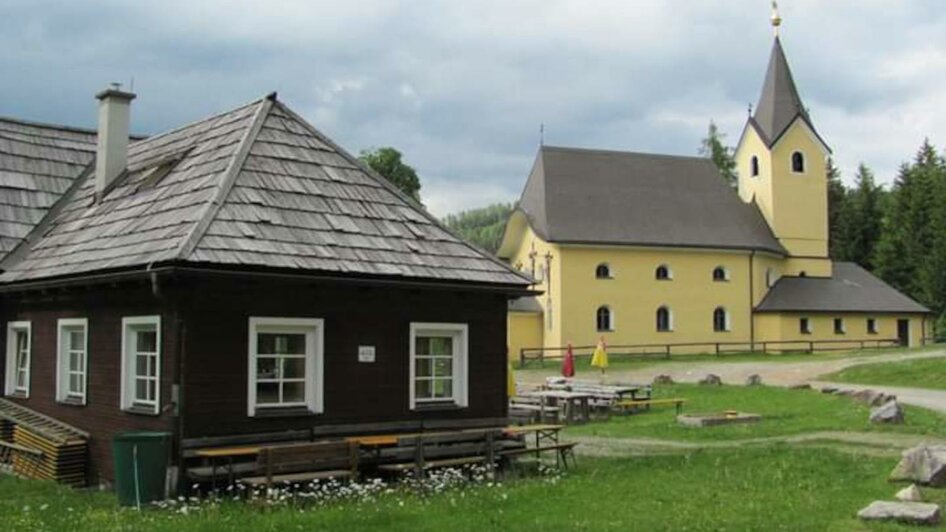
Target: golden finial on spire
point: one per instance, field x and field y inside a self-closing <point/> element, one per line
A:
<point x="776" y="19"/>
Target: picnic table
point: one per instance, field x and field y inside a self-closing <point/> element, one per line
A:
<point x="229" y="453"/>
<point x="609" y="394"/>
<point x="575" y="403"/>
<point x="546" y="439"/>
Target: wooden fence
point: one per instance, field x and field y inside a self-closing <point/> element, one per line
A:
<point x="541" y="354"/>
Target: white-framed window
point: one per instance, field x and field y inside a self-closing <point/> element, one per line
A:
<point x="664" y="319"/>
<point x="286" y="366"/>
<point x="839" y="327"/>
<point x="871" y="326"/>
<point x="19" y="340"/>
<point x="663" y="273"/>
<point x="804" y="325"/>
<point x="798" y="162"/>
<point x="603" y="271"/>
<point x="141" y="364"/>
<point x="604" y="319"/>
<point x="438" y="353"/>
<point x="720" y="320"/>
<point x="720" y="274"/>
<point x="72" y="348"/>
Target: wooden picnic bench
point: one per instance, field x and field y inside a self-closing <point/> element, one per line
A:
<point x="305" y="462"/>
<point x="546" y="440"/>
<point x="629" y="404"/>
<point x="446" y="449"/>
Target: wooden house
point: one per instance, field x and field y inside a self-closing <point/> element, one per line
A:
<point x="241" y="278"/>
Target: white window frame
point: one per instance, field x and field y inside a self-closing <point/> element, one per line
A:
<point x="314" y="329"/>
<point x="727" y="325"/>
<point x="669" y="319"/>
<point x="11" y="369"/>
<point x="461" y="335"/>
<point x="610" y="324"/>
<point x="63" y="370"/>
<point x="804" y="163"/>
<point x="843" y="326"/>
<point x="128" y="400"/>
<point x="808" y="328"/>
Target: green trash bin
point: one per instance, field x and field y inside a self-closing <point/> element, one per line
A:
<point x="141" y="465"/>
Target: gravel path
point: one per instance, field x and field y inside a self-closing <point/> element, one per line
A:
<point x="926" y="398"/>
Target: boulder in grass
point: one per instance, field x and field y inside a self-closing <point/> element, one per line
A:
<point x="754" y="380"/>
<point x="914" y="513"/>
<point x="828" y="389"/>
<point x="924" y="464"/>
<point x="866" y="396"/>
<point x="889" y="413"/>
<point x="883" y="399"/>
<point x="711" y="380"/>
<point x="663" y="379"/>
<point x="910" y="493"/>
<point x="801" y="386"/>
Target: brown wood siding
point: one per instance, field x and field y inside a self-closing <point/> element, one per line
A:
<point x="102" y="416"/>
<point x="216" y="349"/>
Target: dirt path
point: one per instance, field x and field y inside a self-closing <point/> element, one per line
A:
<point x="923" y="397"/>
<point x="772" y="372"/>
<point x="868" y="443"/>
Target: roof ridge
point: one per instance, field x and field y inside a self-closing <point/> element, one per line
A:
<point x="229" y="178"/>
<point x="193" y="123"/>
<point x="626" y="152"/>
<point x="419" y="207"/>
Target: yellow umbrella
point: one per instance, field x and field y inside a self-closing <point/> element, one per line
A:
<point x="600" y="357"/>
<point x="510" y="381"/>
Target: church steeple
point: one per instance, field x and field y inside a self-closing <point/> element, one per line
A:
<point x="779" y="104"/>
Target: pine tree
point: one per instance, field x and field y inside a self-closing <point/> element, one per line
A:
<point x="859" y="223"/>
<point x="723" y="156"/>
<point x="482" y="227"/>
<point x="836" y="197"/>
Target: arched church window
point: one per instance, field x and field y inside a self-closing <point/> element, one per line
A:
<point x="720" y="274"/>
<point x="663" y="273"/>
<point x="720" y="320"/>
<point x="603" y="271"/>
<point x="664" y="320"/>
<point x="798" y="162"/>
<point x="754" y="166"/>
<point x="604" y="319"/>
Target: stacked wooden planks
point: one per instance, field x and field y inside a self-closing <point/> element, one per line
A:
<point x="6" y="430"/>
<point x="64" y="448"/>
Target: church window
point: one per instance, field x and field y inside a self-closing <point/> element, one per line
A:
<point x="720" y="274"/>
<point x="769" y="277"/>
<point x="798" y="162"/>
<point x="720" y="320"/>
<point x="754" y="166"/>
<point x="603" y="271"/>
<point x="804" y="326"/>
<point x="663" y="273"/>
<point x="839" y="326"/>
<point x="604" y="319"/>
<point x="664" y="320"/>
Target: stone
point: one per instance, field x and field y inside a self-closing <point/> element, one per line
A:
<point x="866" y="396"/>
<point x="663" y="379"/>
<point x="890" y="412"/>
<point x="910" y="493"/>
<point x="828" y="389"/>
<point x="711" y="380"/>
<point x="883" y="399"/>
<point x="924" y="464"/>
<point x="754" y="380"/>
<point x="802" y="386"/>
<point x="844" y="393"/>
<point x="914" y="513"/>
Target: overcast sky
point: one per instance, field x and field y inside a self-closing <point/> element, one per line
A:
<point x="461" y="87"/>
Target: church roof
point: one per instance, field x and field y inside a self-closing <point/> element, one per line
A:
<point x="849" y="289"/>
<point x="779" y="104"/>
<point x="254" y="187"/>
<point x="612" y="197"/>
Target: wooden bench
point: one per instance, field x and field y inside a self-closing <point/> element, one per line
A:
<point x="634" y="403"/>
<point x="446" y="450"/>
<point x="531" y="409"/>
<point x="305" y="462"/>
<point x="563" y="452"/>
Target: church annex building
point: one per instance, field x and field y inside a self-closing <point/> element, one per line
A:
<point x="646" y="249"/>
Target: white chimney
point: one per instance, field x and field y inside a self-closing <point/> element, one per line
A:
<point x="111" y="158"/>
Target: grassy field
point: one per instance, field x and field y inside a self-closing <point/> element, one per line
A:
<point x="783" y="412"/>
<point x="922" y="373"/>
<point x="772" y="488"/>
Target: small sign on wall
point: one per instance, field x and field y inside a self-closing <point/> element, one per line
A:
<point x="365" y="353"/>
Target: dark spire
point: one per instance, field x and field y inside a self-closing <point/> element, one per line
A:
<point x="779" y="104"/>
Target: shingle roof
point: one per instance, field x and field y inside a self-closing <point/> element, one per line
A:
<point x="38" y="163"/>
<point x="779" y="104"/>
<point x="256" y="186"/>
<point x="850" y="289"/>
<point x="610" y="197"/>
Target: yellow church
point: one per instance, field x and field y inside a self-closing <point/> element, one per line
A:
<point x="657" y="250"/>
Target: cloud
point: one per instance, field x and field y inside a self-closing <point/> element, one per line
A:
<point x="461" y="88"/>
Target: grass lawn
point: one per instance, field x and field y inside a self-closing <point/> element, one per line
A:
<point x="770" y="488"/>
<point x="783" y="412"/>
<point x="921" y="373"/>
